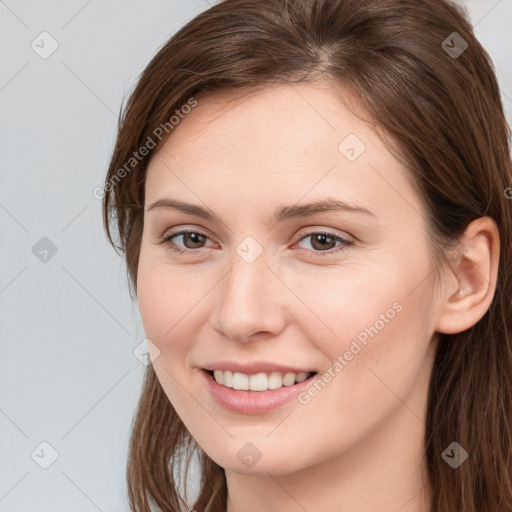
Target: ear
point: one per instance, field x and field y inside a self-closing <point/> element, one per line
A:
<point x="476" y="270"/>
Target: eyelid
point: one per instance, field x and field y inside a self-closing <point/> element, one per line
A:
<point x="314" y="230"/>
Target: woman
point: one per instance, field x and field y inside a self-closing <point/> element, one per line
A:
<point x="311" y="199"/>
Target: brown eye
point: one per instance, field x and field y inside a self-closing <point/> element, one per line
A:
<point x="190" y="240"/>
<point x="323" y="242"/>
<point x="193" y="240"/>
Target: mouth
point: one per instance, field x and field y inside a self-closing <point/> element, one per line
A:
<point x="258" y="382"/>
<point x="256" y="393"/>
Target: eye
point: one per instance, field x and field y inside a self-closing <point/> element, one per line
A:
<point x="323" y="241"/>
<point x="191" y="239"/>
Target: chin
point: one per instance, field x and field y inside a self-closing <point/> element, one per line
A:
<point x="249" y="460"/>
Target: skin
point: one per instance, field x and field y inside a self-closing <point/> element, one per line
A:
<point x="357" y="445"/>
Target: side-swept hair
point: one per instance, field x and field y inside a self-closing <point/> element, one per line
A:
<point x="443" y="114"/>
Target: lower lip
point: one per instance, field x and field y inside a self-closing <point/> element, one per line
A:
<point x="254" y="402"/>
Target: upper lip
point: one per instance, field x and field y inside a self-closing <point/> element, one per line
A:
<point x="254" y="367"/>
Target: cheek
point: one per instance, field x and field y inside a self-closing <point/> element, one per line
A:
<point x="335" y="307"/>
<point x="168" y="310"/>
<point x="169" y="303"/>
<point x="375" y="367"/>
<point x="369" y="324"/>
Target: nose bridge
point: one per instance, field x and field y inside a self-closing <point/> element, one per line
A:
<point x="248" y="301"/>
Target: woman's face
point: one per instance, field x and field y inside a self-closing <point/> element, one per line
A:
<point x="258" y="289"/>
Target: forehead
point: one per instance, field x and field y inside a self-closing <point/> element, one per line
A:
<point x="280" y="142"/>
<point x="279" y="118"/>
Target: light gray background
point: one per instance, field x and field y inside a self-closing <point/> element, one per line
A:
<point x="68" y="374"/>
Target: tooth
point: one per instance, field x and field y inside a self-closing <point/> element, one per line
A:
<point x="228" y="378"/>
<point x="218" y="375"/>
<point x="275" y="380"/>
<point x="258" y="382"/>
<point x="240" y="381"/>
<point x="289" y="379"/>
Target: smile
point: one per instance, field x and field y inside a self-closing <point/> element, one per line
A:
<point x="257" y="393"/>
<point x="259" y="381"/>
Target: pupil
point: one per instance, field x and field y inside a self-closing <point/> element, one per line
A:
<point x="193" y="235"/>
<point x="323" y="239"/>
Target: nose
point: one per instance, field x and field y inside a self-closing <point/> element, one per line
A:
<point x="250" y="302"/>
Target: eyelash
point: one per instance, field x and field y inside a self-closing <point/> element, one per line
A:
<point x="344" y="242"/>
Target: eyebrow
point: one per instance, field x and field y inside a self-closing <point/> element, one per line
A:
<point x="282" y="213"/>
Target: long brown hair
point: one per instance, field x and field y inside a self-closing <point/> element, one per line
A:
<point x="424" y="80"/>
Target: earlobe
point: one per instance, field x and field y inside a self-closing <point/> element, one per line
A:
<point x="476" y="269"/>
